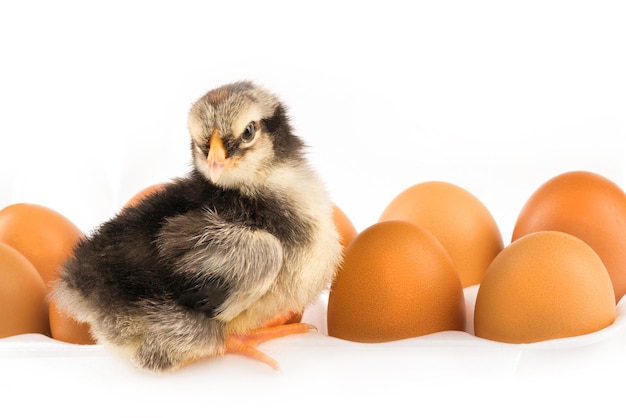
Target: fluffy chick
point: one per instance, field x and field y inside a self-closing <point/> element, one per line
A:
<point x="245" y="237"/>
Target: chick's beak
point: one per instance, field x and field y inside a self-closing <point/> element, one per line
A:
<point x="216" y="159"/>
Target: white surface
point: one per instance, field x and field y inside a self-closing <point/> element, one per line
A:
<point x="496" y="97"/>
<point x="444" y="372"/>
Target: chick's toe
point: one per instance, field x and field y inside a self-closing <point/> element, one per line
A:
<point x="245" y="344"/>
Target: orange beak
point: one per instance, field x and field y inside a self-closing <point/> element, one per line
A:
<point x="217" y="156"/>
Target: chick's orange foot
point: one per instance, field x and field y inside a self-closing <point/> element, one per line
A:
<point x="245" y="344"/>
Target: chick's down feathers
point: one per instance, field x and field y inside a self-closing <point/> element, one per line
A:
<point x="245" y="236"/>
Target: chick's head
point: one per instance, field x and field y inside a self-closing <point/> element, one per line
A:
<point x="239" y="133"/>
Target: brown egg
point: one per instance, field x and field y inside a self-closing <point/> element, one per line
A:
<point x="65" y="328"/>
<point x="344" y="225"/>
<point x="543" y="286"/>
<point x="45" y="237"/>
<point x="457" y="219"/>
<point x="146" y="191"/>
<point x="588" y="206"/>
<point x="23" y="305"/>
<point x="396" y="282"/>
<point x="295" y="318"/>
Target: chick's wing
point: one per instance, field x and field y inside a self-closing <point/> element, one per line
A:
<point x="221" y="261"/>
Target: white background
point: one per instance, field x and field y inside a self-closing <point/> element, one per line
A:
<point x="496" y="97"/>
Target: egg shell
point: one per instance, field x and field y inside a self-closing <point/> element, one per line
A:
<point x="65" y="328"/>
<point x="396" y="282"/>
<point x="543" y="286"/>
<point x="44" y="236"/>
<point x="457" y="218"/>
<point x="23" y="304"/>
<point x="588" y="206"/>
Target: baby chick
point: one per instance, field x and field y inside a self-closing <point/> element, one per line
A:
<point x="217" y="260"/>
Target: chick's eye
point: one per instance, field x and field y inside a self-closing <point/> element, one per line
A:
<point x="248" y="133"/>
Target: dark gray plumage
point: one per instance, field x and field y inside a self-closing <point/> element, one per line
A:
<point x="246" y="236"/>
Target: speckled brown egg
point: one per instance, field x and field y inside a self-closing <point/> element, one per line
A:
<point x="23" y="304"/>
<point x="397" y="281"/>
<point x="44" y="236"/>
<point x="588" y="206"/>
<point x="543" y="286"/>
<point x="457" y="218"/>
